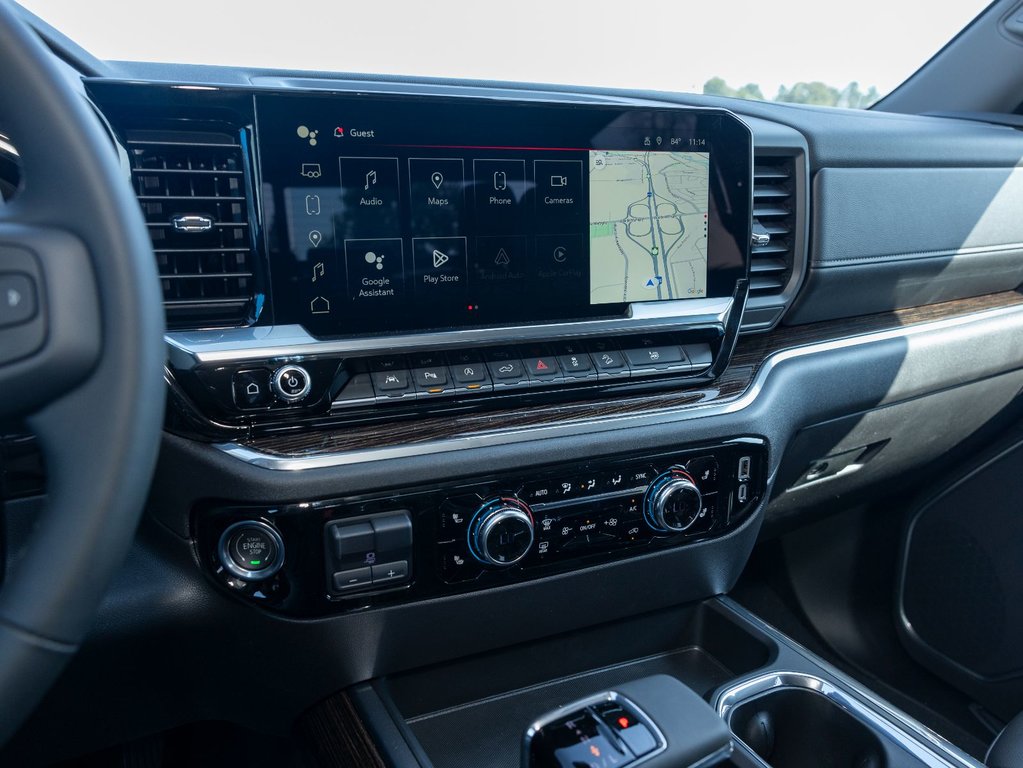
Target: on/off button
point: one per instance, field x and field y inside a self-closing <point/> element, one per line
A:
<point x="291" y="383"/>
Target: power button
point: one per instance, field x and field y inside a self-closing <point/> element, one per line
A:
<point x="251" y="550"/>
<point x="291" y="383"/>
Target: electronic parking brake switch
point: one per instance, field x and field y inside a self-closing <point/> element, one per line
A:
<point x="373" y="552"/>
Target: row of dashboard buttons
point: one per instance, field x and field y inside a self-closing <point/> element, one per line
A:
<point x="436" y="374"/>
<point x="606" y="523"/>
<point x="551" y="491"/>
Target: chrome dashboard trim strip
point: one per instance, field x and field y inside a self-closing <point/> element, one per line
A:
<point x="188" y="349"/>
<point x="684" y="413"/>
<point x="841" y="689"/>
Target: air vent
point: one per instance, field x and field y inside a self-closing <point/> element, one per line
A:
<point x="774" y="215"/>
<point x="193" y="195"/>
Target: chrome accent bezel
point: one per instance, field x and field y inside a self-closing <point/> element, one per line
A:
<point x="764" y="685"/>
<point x="279" y="390"/>
<point x="492" y="519"/>
<point x="189" y="349"/>
<point x="659" y="502"/>
<point x="224" y="551"/>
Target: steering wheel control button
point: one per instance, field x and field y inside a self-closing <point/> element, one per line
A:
<point x="291" y="383"/>
<point x="251" y="550"/>
<point x="356" y="578"/>
<point x="252" y="389"/>
<point x="18" y="302"/>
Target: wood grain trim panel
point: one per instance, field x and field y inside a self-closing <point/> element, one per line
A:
<point x="334" y="736"/>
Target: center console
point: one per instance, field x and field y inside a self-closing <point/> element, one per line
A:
<point x="707" y="684"/>
<point x="326" y="556"/>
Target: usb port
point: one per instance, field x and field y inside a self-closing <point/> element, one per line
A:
<point x="745" y="463"/>
<point x="743" y="494"/>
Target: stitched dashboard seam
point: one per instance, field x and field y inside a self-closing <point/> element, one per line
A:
<point x="918" y="255"/>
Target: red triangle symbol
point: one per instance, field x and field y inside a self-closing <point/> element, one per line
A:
<point x="541" y="365"/>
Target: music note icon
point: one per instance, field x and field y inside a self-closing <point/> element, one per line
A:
<point x="371" y="178"/>
<point x="317" y="270"/>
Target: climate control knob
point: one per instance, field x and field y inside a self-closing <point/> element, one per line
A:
<point x="672" y="502"/>
<point x="501" y="532"/>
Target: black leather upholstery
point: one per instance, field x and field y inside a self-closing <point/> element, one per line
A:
<point x="1006" y="751"/>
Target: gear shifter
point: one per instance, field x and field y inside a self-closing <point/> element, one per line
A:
<point x="656" y="721"/>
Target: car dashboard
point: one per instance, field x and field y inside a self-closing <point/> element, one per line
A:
<point x="419" y="411"/>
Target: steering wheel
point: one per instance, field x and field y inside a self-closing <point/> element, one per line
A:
<point x="81" y="362"/>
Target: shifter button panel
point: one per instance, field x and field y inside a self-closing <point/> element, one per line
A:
<point x="606" y="731"/>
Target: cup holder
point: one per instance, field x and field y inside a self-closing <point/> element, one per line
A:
<point x="800" y="728"/>
<point x="800" y="721"/>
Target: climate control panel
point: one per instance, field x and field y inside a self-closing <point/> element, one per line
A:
<point x="317" y="557"/>
<point x="607" y="510"/>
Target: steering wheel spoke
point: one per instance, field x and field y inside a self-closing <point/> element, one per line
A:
<point x="49" y="316"/>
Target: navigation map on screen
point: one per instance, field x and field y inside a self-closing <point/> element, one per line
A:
<point x="648" y="225"/>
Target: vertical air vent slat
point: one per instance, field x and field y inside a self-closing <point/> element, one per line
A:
<point x="193" y="197"/>
<point x="773" y="213"/>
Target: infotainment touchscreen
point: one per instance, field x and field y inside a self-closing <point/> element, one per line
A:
<point x="388" y="213"/>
